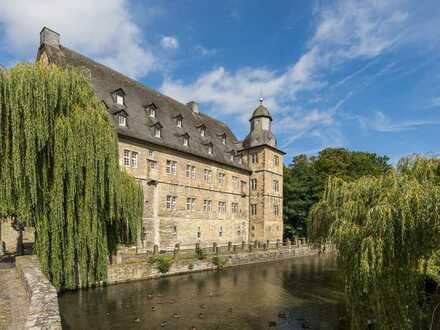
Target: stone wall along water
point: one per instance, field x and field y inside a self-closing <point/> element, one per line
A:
<point x="43" y="299"/>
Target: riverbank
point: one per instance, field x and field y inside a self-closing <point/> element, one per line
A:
<point x="129" y="268"/>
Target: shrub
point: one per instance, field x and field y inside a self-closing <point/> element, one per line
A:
<point x="219" y="262"/>
<point x="163" y="263"/>
<point x="200" y="254"/>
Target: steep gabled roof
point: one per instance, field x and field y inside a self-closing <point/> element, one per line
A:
<point x="136" y="100"/>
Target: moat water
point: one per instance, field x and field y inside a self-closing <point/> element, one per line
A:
<point x="301" y="293"/>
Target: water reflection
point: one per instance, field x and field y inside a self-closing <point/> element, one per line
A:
<point x="293" y="294"/>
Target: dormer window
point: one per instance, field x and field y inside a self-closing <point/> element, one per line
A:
<point x="122" y="120"/>
<point x="210" y="149"/>
<point x="232" y="158"/>
<point x="151" y="110"/>
<point x="179" y="121"/>
<point x="119" y="99"/>
<point x="224" y="138"/>
<point x="185" y="140"/>
<point x="202" y="131"/>
<point x="157" y="130"/>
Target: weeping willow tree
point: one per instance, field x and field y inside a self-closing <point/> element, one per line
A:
<point x="60" y="173"/>
<point x="385" y="230"/>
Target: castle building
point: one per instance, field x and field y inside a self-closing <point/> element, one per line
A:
<point x="201" y="184"/>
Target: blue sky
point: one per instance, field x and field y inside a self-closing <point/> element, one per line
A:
<point x="358" y="74"/>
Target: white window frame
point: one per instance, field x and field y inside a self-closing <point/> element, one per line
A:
<point x="190" y="203"/>
<point x="235" y="182"/>
<point x="151" y="154"/>
<point x="179" y="122"/>
<point x="157" y="131"/>
<point x="171" y="202"/>
<point x="221" y="178"/>
<point x="203" y="131"/>
<point x="134" y="159"/>
<point x="207" y="205"/>
<point x="119" y="99"/>
<point x="171" y="167"/>
<point x="207" y="175"/>
<point x="152" y="164"/>
<point x="126" y="158"/>
<point x="210" y="149"/>
<point x="152" y="112"/>
<point x="222" y="207"/>
<point x="122" y="121"/>
<point x="185" y="141"/>
<point x="224" y="139"/>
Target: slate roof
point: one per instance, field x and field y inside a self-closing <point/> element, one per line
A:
<point x="140" y="125"/>
<point x="261" y="111"/>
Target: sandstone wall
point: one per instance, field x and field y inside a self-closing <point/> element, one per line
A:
<point x="43" y="300"/>
<point x="138" y="268"/>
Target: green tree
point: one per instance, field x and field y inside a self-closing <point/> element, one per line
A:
<point x="386" y="231"/>
<point x="306" y="177"/>
<point x="60" y="172"/>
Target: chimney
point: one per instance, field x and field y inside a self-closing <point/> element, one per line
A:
<point x="194" y="106"/>
<point x="49" y="37"/>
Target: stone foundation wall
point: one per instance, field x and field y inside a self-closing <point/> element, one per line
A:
<point x="138" y="267"/>
<point x="43" y="299"/>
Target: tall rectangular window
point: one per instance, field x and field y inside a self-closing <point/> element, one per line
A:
<point x="253" y="184"/>
<point x="276" y="209"/>
<point x="190" y="203"/>
<point x="122" y="121"/>
<point x="276" y="186"/>
<point x="171" y="202"/>
<point x="126" y="157"/>
<point x="157" y="131"/>
<point x="207" y="205"/>
<point x="254" y="158"/>
<point x="253" y="209"/>
<point x="171" y="167"/>
<point x="207" y="175"/>
<point x="276" y="160"/>
<point x="190" y="172"/>
<point x="235" y="182"/>
<point x="134" y="159"/>
<point x="221" y="178"/>
<point x="222" y="207"/>
<point x="119" y="99"/>
<point x="234" y="207"/>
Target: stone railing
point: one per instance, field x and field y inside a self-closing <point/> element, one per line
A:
<point x="43" y="310"/>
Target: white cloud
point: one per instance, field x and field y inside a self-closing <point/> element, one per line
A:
<point x="169" y="42"/>
<point x="103" y="29"/>
<point x="381" y="123"/>
<point x="345" y="31"/>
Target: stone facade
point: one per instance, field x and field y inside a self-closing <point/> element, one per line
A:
<point x="196" y="175"/>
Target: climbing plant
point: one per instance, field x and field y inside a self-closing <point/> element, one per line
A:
<point x="60" y="172"/>
<point x="385" y="230"/>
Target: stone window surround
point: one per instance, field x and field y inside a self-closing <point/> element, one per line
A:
<point x="171" y="202"/>
<point x="171" y="167"/>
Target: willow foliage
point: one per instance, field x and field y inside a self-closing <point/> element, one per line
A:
<point x="60" y="172"/>
<point x="383" y="229"/>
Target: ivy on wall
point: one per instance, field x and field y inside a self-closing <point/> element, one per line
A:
<point x="60" y="172"/>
